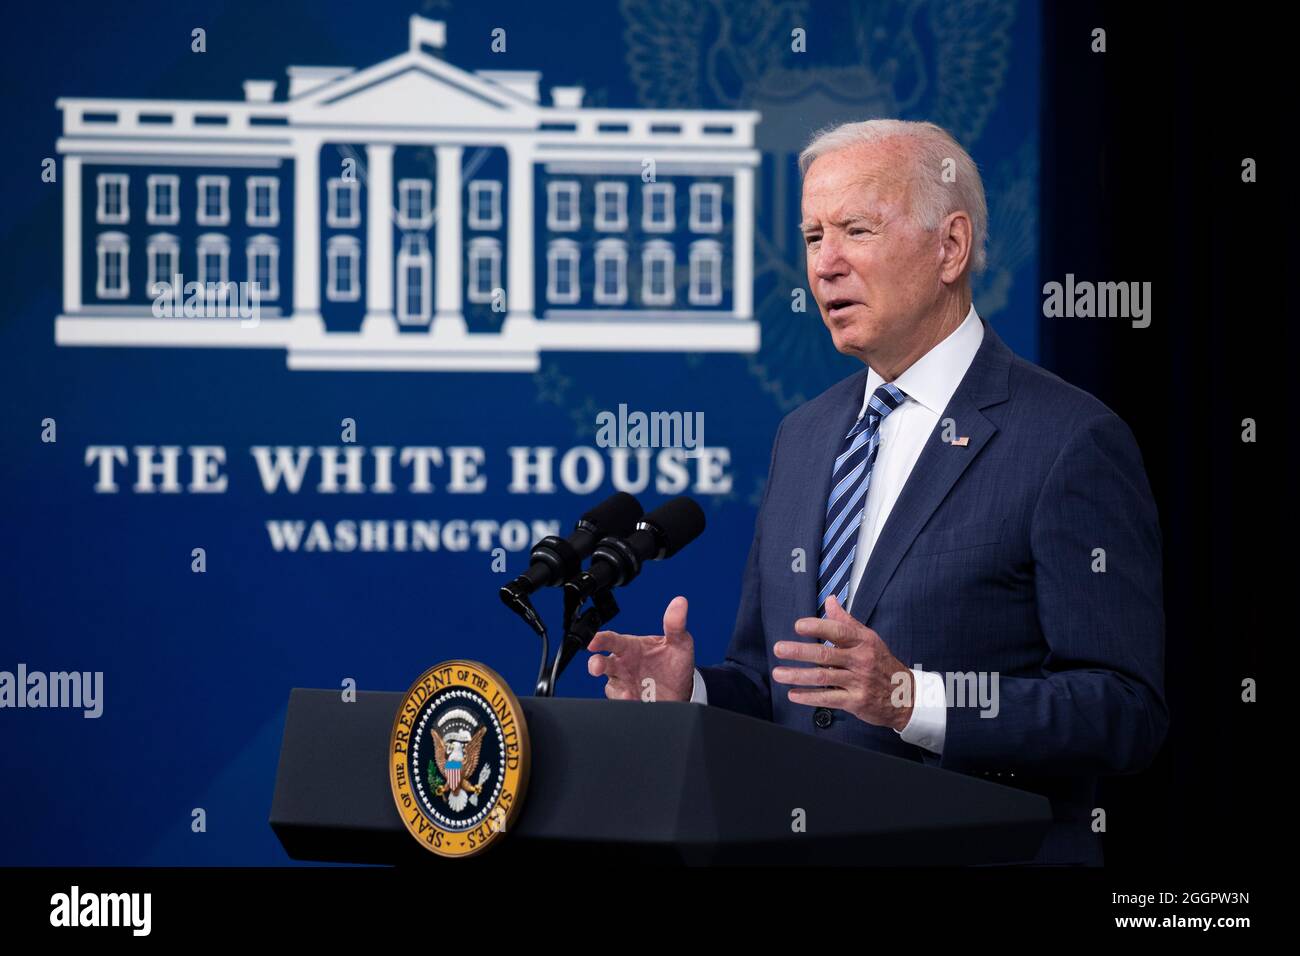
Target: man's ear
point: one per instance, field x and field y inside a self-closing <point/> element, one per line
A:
<point x="955" y="235"/>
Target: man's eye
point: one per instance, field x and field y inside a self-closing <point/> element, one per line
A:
<point x="811" y="239"/>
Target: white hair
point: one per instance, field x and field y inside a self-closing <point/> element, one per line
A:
<point x="933" y="153"/>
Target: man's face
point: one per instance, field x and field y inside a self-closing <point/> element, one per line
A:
<point x="873" y="272"/>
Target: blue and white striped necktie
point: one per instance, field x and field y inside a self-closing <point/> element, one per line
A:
<point x="852" y="476"/>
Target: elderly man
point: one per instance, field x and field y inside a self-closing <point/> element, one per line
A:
<point x="958" y="508"/>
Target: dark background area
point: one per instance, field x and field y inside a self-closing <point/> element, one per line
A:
<point x="1141" y="181"/>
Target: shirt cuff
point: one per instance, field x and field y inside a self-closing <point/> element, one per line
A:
<point x="699" y="693"/>
<point x="929" y="720"/>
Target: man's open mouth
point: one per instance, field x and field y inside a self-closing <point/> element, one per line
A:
<point x="835" y="306"/>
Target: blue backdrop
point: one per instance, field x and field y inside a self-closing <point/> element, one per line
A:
<point x="197" y="667"/>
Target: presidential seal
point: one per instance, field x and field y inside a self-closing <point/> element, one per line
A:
<point x="458" y="758"/>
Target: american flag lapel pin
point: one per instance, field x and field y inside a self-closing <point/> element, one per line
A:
<point x="963" y="441"/>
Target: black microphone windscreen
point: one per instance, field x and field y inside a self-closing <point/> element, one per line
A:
<point x="680" y="521"/>
<point x="617" y="515"/>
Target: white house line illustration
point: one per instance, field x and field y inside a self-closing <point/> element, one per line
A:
<point x="410" y="215"/>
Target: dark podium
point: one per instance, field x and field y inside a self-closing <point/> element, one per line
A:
<point x="661" y="782"/>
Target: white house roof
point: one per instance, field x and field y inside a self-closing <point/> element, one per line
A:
<point x="418" y="89"/>
<point x="414" y="93"/>
<point x="304" y="79"/>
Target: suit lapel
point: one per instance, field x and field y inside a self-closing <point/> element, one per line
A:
<point x="937" y="469"/>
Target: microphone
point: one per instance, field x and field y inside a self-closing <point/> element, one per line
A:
<point x="660" y="534"/>
<point x="555" y="560"/>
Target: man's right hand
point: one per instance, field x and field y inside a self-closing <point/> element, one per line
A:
<point x="667" y="659"/>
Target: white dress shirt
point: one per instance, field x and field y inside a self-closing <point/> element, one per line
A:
<point x="929" y="384"/>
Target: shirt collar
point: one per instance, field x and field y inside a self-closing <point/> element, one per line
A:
<point x="932" y="378"/>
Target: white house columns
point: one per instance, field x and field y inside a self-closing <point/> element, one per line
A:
<point x="379" y="239"/>
<point x="519" y="248"/>
<point x="306" y="234"/>
<point x="448" y="319"/>
<point x="743" y="243"/>
<point x="71" y="234"/>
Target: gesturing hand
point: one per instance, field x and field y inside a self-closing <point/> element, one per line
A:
<point x="668" y="659"/>
<point x="857" y="675"/>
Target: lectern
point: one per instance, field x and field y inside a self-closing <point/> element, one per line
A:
<point x="652" y="782"/>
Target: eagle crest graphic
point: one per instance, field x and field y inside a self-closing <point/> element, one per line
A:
<point x="457" y="757"/>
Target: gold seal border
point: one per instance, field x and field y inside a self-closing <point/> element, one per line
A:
<point x="434" y="838"/>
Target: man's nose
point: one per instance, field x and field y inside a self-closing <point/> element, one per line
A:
<point x="828" y="261"/>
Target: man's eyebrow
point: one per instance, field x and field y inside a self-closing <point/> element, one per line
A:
<point x="844" y="220"/>
<point x="858" y="215"/>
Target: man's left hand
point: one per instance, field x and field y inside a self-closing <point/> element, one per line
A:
<point x="858" y="675"/>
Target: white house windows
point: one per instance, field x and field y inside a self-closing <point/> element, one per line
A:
<point x="611" y="207"/>
<point x="112" y="208"/>
<point x="706" y="207"/>
<point x="562" y="206"/>
<point x="414" y="204"/>
<point x="343" y="210"/>
<point x="645" y="267"/>
<point x="263" y="201"/>
<point x="657" y="273"/>
<point x="343" y="269"/>
<point x="611" y="272"/>
<point x="414" y="280"/>
<point x="214" y="258"/>
<point x="163" y="255"/>
<point x="706" y="273"/>
<point x="214" y="201"/>
<point x="164" y="200"/>
<point x="657" y="207"/>
<point x="484" y="204"/>
<point x="562" y="259"/>
<point x="112" y="250"/>
<point x="640" y="257"/>
<point x="264" y="266"/>
<point x="484" y="268"/>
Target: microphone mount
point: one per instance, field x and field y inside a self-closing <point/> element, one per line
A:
<point x="577" y="635"/>
<point x="617" y="559"/>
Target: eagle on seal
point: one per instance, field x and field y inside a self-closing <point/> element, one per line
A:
<point x="457" y="757"/>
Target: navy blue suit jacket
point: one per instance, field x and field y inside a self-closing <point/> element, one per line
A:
<point x="985" y="563"/>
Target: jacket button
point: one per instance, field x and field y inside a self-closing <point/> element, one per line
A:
<point x="822" y="717"/>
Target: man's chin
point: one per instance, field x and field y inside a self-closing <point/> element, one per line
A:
<point x="848" y="344"/>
